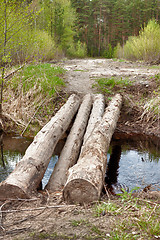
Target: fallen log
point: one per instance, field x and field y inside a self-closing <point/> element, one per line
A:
<point x="26" y="177"/>
<point x="85" y="180"/>
<point x="95" y="117"/>
<point x="71" y="149"/>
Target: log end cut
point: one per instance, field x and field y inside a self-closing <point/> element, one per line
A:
<point x="10" y="191"/>
<point x="80" y="191"/>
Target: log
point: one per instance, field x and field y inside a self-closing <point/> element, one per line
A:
<point x="85" y="180"/>
<point x="71" y="149"/>
<point x="95" y="117"/>
<point x="26" y="177"/>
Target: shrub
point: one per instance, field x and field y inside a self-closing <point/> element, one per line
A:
<point x="108" y="52"/>
<point x="77" y="50"/>
<point x="145" y="47"/>
<point x="33" y="45"/>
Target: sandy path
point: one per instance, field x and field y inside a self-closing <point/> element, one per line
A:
<point x="81" y="72"/>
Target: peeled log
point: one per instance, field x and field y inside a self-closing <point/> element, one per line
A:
<point x="71" y="148"/>
<point x="95" y="117"/>
<point x="85" y="180"/>
<point x="25" y="179"/>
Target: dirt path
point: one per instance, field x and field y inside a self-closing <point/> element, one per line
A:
<point x="82" y="72"/>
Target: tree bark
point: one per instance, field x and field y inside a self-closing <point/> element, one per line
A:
<point x="25" y="179"/>
<point x="72" y="146"/>
<point x="86" y="178"/>
<point x="95" y="117"/>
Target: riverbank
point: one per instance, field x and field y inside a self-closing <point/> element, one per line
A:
<point x="126" y="216"/>
<point x="138" y="83"/>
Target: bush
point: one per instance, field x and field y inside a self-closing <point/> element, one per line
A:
<point x="33" y="45"/>
<point x="77" y="50"/>
<point x="108" y="52"/>
<point x="144" y="47"/>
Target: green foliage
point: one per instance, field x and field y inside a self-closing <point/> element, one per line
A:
<point x="108" y="52"/>
<point x="43" y="77"/>
<point x="102" y="208"/>
<point x="107" y="84"/>
<point x="127" y="195"/>
<point x="57" y="19"/>
<point x="146" y="46"/>
<point x="39" y="46"/>
<point x="77" y="50"/>
<point x="101" y="24"/>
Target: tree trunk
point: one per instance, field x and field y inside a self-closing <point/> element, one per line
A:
<point x="25" y="179"/>
<point x="95" y="117"/>
<point x="86" y="178"/>
<point x="72" y="146"/>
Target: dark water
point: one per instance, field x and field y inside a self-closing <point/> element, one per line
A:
<point x="132" y="160"/>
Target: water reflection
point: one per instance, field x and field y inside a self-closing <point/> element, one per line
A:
<point x="12" y="151"/>
<point x="134" y="162"/>
<point x="113" y="166"/>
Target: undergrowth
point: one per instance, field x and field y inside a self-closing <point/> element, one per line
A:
<point x="43" y="77"/>
<point x="33" y="95"/>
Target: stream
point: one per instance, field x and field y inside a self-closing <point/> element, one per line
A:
<point x="133" y="161"/>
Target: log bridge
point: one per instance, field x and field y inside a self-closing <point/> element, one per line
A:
<point x="80" y="170"/>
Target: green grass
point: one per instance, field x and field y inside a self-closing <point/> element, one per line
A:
<point x="106" y="85"/>
<point x="101" y="209"/>
<point x="43" y="77"/>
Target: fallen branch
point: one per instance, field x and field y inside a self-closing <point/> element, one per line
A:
<point x="12" y="73"/>
<point x="17" y="122"/>
<point x="36" y="209"/>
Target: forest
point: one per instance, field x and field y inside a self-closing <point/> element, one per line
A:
<point x="46" y="29"/>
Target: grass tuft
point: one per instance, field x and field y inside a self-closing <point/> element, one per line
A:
<point x="107" y="84"/>
<point x="43" y="77"/>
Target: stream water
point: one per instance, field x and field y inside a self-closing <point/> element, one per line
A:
<point x="133" y="161"/>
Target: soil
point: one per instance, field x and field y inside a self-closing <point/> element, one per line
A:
<point x="81" y="73"/>
<point x="47" y="216"/>
<point x="81" y="78"/>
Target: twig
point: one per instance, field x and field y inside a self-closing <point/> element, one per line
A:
<point x="33" y="117"/>
<point x="18" y="122"/>
<point x="152" y="213"/>
<point x="14" y="231"/>
<point x="25" y="219"/>
<point x="106" y="192"/>
<point x="12" y="73"/>
<point x="141" y="199"/>
<point x="23" y="199"/>
<point x="1" y="216"/>
<point x="48" y="195"/>
<point x="36" y="209"/>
